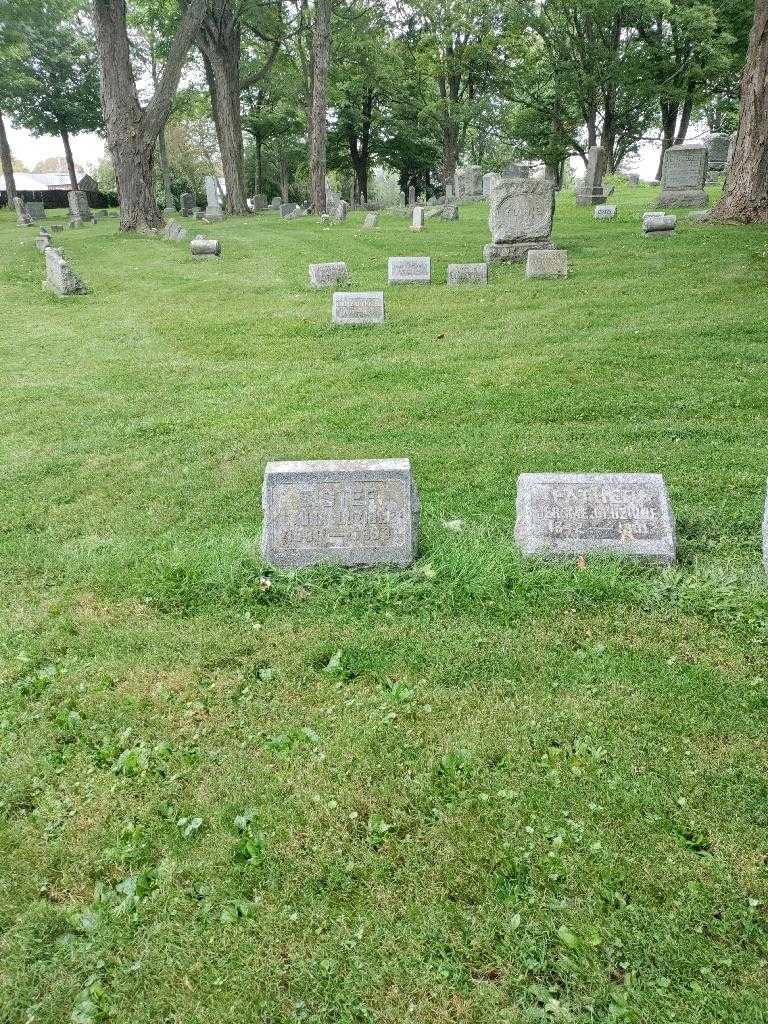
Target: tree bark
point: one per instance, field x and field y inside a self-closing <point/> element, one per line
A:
<point x="131" y="130"/>
<point x="6" y="162"/>
<point x="746" y="192"/>
<point x="450" y="152"/>
<point x="165" y="170"/>
<point x="321" y="54"/>
<point x="68" y="156"/>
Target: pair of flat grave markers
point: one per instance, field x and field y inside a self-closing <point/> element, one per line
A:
<point x="366" y="513"/>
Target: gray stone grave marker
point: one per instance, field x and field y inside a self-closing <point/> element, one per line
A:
<point x="213" y="209"/>
<point x="411" y="195"/>
<point x="371" y="221"/>
<point x="59" y="276"/>
<point x="357" y="308"/>
<point x="79" y="208"/>
<point x="259" y="202"/>
<point x="467" y="273"/>
<point x="187" y="202"/>
<point x="605" y="212"/>
<point x="417" y="220"/>
<point x="571" y="514"/>
<point x="323" y="275"/>
<point x="409" y="270"/>
<point x="287" y="208"/>
<point x="592" y="192"/>
<point x="659" y="223"/>
<point x="205" y="248"/>
<point x="357" y="513"/>
<point x="683" y="177"/>
<point x="36" y="211"/>
<point x="520" y="218"/>
<point x="43" y="240"/>
<point x="449" y="212"/>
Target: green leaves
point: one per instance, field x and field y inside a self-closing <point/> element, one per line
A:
<point x="250" y="849"/>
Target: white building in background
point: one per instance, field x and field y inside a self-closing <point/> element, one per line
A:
<point x="41" y="182"/>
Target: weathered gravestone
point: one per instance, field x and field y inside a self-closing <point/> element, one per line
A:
<point x="572" y="514"/>
<point x="259" y="202"/>
<point x="432" y="212"/>
<point x="174" y="232"/>
<point x="358" y="513"/>
<point x="357" y="308"/>
<point x="371" y="221"/>
<point x="23" y="219"/>
<point x="659" y="223"/>
<point x="488" y="180"/>
<point x="409" y="270"/>
<point x="468" y="182"/>
<point x="79" y="208"/>
<point x="467" y="273"/>
<point x="592" y="192"/>
<point x="43" y="240"/>
<point x="187" y="202"/>
<point x="683" y="177"/>
<point x="449" y="212"/>
<point x="213" y="209"/>
<point x="520" y="218"/>
<point x="59" y="276"/>
<point x="36" y="211"/>
<point x="411" y="195"/>
<point x="401" y="198"/>
<point x="717" y="157"/>
<point x="417" y="220"/>
<point x="287" y="208"/>
<point x="605" y="212"/>
<point x="322" y="275"/>
<point x="547" y="263"/>
<point x="276" y="203"/>
<point x="205" y="248"/>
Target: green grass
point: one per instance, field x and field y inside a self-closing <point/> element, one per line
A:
<point x="482" y="791"/>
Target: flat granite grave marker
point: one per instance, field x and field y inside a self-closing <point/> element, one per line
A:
<point x="605" y="212"/>
<point x="683" y="176"/>
<point x="357" y="308"/>
<point x="520" y="218"/>
<point x="467" y="273"/>
<point x="571" y="514"/>
<point x="205" y="248"/>
<point x="547" y="263"/>
<point x="358" y="513"/>
<point x="322" y="275"/>
<point x="409" y="270"/>
<point x="60" y="278"/>
<point x="417" y="220"/>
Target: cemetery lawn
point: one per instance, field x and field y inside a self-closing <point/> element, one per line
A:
<point x="481" y="790"/>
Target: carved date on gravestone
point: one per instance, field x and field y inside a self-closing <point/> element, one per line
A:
<point x="567" y="514"/>
<point x="355" y="513"/>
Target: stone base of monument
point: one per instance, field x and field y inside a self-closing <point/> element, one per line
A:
<point x="547" y="263"/>
<point x="714" y="177"/>
<point x="513" y="252"/>
<point x="212" y="215"/>
<point x="357" y="513"/>
<point x="694" y="197"/>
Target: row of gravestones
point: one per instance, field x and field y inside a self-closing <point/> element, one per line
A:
<point x="685" y="173"/>
<point x="80" y="213"/>
<point x="365" y="513"/>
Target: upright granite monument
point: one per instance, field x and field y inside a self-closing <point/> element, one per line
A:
<point x="717" y="157"/>
<point x="468" y="182"/>
<point x="592" y="193"/>
<point x="683" y="176"/>
<point x="358" y="513"/>
<point x="79" y="208"/>
<point x="566" y="515"/>
<point x="213" y="209"/>
<point x="520" y="219"/>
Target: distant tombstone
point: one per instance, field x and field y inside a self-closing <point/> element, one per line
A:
<point x="276" y="203"/>
<point x="568" y="515"/>
<point x="409" y="270"/>
<point x="488" y="180"/>
<point x="187" y="203"/>
<point x="259" y="202"/>
<point x="59" y="276"/>
<point x="295" y="214"/>
<point x="431" y="212"/>
<point x="467" y="273"/>
<point x="517" y="172"/>
<point x="337" y="209"/>
<point x="213" y="209"/>
<point x="174" y="232"/>
<point x="417" y="220"/>
<point x="659" y="223"/>
<point x="717" y="156"/>
<point x="286" y="208"/>
<point x="593" y="192"/>
<point x="323" y="275"/>
<point x="520" y="218"/>
<point x="632" y="179"/>
<point x="205" y="248"/>
<point x="401" y="197"/>
<point x="605" y="212"/>
<point x="371" y="221"/>
<point x="449" y="212"/>
<point x="547" y="263"/>
<point x="355" y="513"/>
<point x="43" y="240"/>
<point x="683" y="176"/>
<point x="411" y="195"/>
<point x="468" y="182"/>
<point x="79" y="209"/>
<point x="23" y="219"/>
<point x="357" y="308"/>
<point x="36" y="211"/>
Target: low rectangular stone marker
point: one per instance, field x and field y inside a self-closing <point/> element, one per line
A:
<point x="467" y="273"/>
<point x="659" y="223"/>
<point x="409" y="270"/>
<point x="547" y="263"/>
<point x="358" y="308"/>
<point x="322" y="275"/>
<point x="571" y="514"/>
<point x="605" y="212"/>
<point x="362" y="512"/>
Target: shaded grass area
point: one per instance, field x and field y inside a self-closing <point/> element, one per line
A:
<point x="482" y="790"/>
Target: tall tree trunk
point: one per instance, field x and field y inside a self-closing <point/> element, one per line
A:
<point x="131" y="130"/>
<point x="6" y="162"/>
<point x="746" y="191"/>
<point x="685" y="119"/>
<point x="450" y="151"/>
<point x="165" y="170"/>
<point x="220" y="40"/>
<point x="321" y="55"/>
<point x="284" y="177"/>
<point x="257" y="178"/>
<point x="68" y="156"/>
<point x="668" y="123"/>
